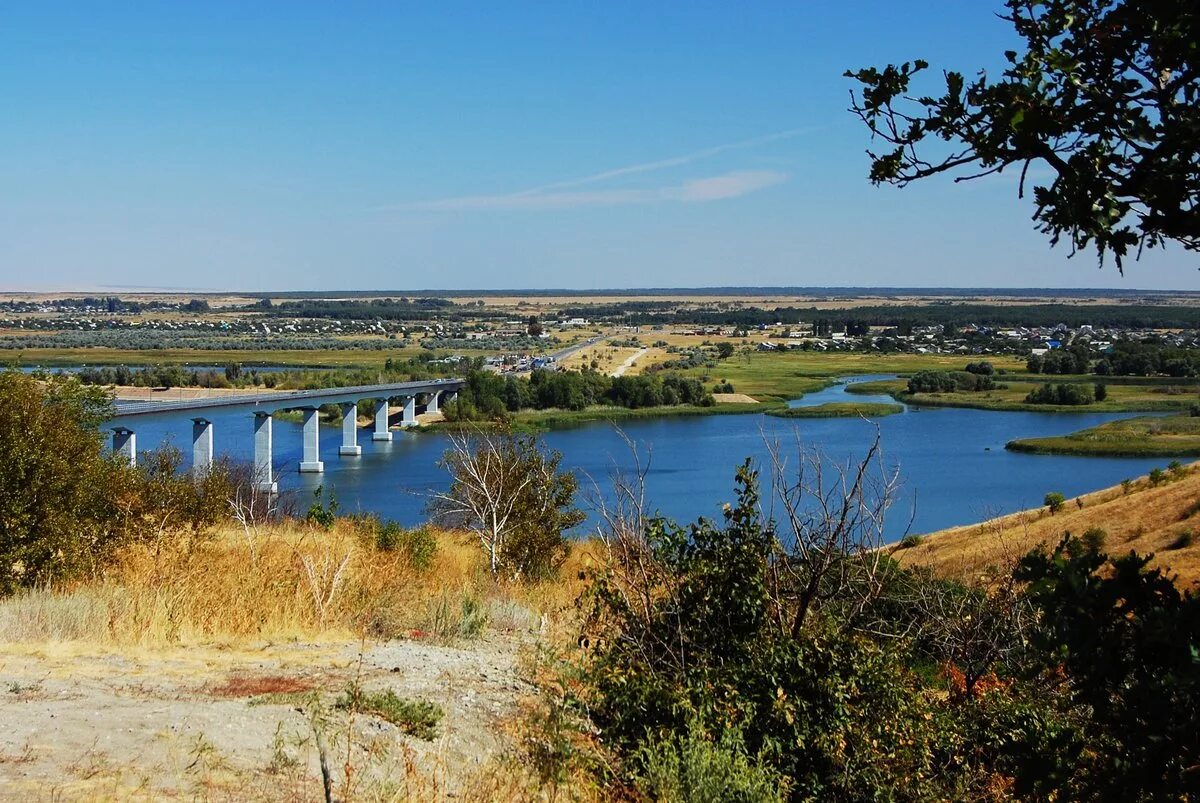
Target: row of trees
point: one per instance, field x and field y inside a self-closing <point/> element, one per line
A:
<point x="1073" y="360"/>
<point x="906" y="318"/>
<point x="134" y="338"/>
<point x="1126" y="358"/>
<point x="952" y="381"/>
<point x="489" y="396"/>
<point x="1067" y="394"/>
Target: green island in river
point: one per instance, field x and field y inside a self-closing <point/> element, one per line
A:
<point x="839" y="410"/>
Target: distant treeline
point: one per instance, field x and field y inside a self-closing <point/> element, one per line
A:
<point x="415" y="369"/>
<point x="387" y="309"/>
<point x="905" y="317"/>
<point x="106" y="304"/>
<point x="1126" y="359"/>
<point x="675" y="292"/>
<point x="203" y="340"/>
<point x="489" y="396"/>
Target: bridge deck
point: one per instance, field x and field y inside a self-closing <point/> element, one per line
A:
<point x="285" y="399"/>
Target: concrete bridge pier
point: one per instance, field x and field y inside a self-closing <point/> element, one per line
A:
<point x="264" y="479"/>
<point x="202" y="447"/>
<point x="311" y="463"/>
<point x="382" y="433"/>
<point x="350" y="447"/>
<point x="125" y="444"/>
<point x="409" y="419"/>
<point x="431" y="404"/>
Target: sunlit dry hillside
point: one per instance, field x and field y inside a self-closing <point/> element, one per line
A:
<point x="1162" y="518"/>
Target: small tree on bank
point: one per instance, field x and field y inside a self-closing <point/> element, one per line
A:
<point x="511" y="495"/>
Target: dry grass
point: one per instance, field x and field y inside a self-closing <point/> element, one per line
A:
<point x="289" y="582"/>
<point x="1146" y="518"/>
<point x="606" y="356"/>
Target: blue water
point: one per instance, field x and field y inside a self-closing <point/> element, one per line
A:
<point x="953" y="465"/>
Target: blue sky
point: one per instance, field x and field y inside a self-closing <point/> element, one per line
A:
<point x="226" y="145"/>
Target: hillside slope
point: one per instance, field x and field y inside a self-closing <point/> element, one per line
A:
<point x="1163" y="519"/>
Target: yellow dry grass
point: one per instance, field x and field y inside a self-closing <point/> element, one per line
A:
<point x="285" y="582"/>
<point x="606" y="356"/>
<point x="1146" y="518"/>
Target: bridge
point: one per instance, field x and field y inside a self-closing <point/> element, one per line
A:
<point x="262" y="406"/>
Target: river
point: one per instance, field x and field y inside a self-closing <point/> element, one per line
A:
<point x="952" y="462"/>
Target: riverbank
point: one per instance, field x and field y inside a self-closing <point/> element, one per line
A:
<point x="1161" y="518"/>
<point x="1170" y="436"/>
<point x="1165" y="395"/>
<point x="537" y="421"/>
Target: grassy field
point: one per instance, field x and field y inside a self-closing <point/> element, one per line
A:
<point x="539" y="420"/>
<point x="839" y="410"/>
<point x="1172" y="436"/>
<point x="1165" y="396"/>
<point x="606" y="356"/>
<point x="1163" y="519"/>
<point x="789" y="375"/>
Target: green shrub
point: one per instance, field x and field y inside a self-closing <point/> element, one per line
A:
<point x="1093" y="539"/>
<point x="419" y="545"/>
<point x="418" y="718"/>
<point x="320" y="514"/>
<point x="1054" y="501"/>
<point x="455" y="616"/>
<point x="1062" y="394"/>
<point x="1157" y="476"/>
<point x="693" y="767"/>
<point x="65" y="503"/>
<point x="910" y="541"/>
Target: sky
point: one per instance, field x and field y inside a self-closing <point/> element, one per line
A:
<point x="354" y="145"/>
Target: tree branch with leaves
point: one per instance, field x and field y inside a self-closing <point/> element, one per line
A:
<point x="1105" y="94"/>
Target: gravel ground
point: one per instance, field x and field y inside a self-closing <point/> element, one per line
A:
<point x="213" y="723"/>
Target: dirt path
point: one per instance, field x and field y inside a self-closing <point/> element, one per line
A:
<point x="629" y="361"/>
<point x="239" y="724"/>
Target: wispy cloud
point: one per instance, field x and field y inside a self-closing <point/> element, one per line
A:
<point x="565" y="195"/>
<point x="713" y="188"/>
<point x="674" y="161"/>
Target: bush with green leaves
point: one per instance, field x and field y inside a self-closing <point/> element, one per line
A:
<point x="1062" y="394"/>
<point x="710" y="653"/>
<point x="1128" y="639"/>
<point x="419" y="545"/>
<point x="951" y="381"/>
<point x="1054" y="501"/>
<point x="320" y="513"/>
<point x="693" y="767"/>
<point x="66" y="503"/>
